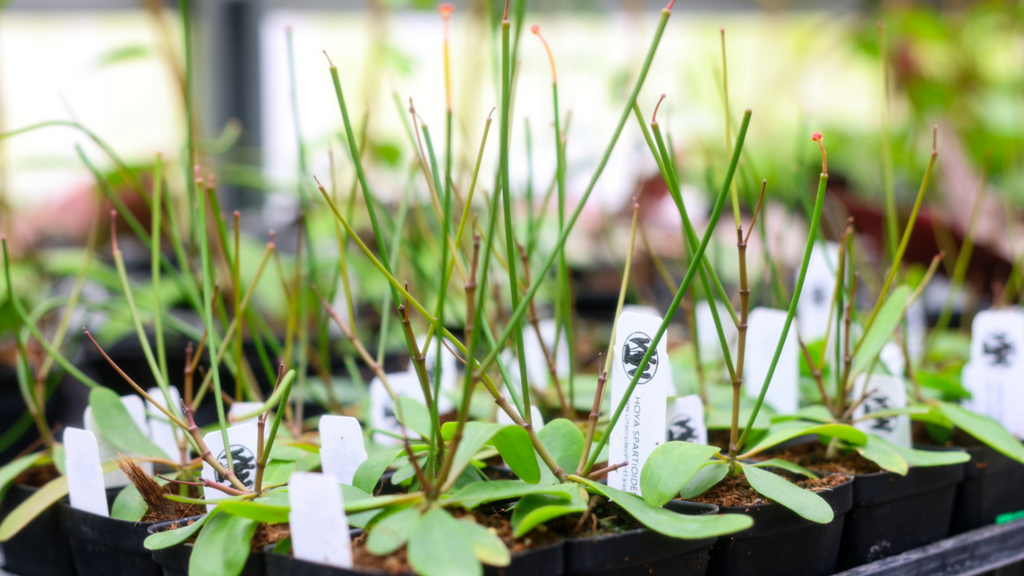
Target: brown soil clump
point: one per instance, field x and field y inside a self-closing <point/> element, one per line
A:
<point x="735" y="491"/>
<point x="812" y="455"/>
<point x="267" y="534"/>
<point x="37" y="476"/>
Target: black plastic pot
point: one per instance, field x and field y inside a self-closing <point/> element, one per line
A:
<point x="173" y="560"/>
<point x="993" y="485"/>
<point x="641" y="552"/>
<point x="104" y="546"/>
<point x="781" y="543"/>
<point x="40" y="549"/>
<point x="540" y="561"/>
<point x="892" y="513"/>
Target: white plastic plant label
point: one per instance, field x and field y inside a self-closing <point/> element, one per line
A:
<point x="997" y="340"/>
<point x="763" y="333"/>
<point x="536" y="416"/>
<point x="641" y="309"/>
<point x="83" y="469"/>
<point x="536" y="362"/>
<point x="137" y="410"/>
<point x="816" y="298"/>
<point x="319" y="528"/>
<point x="382" y="407"/>
<point x="161" y="430"/>
<point x="893" y="359"/>
<point x="244" y="413"/>
<point x="917" y="326"/>
<point x="244" y="448"/>
<point x="641" y="427"/>
<point x="707" y="332"/>
<point x="884" y="393"/>
<point x="449" y="373"/>
<point x="341" y="446"/>
<point x="995" y="393"/>
<point x="685" y="417"/>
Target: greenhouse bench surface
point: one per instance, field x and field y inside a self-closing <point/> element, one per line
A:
<point x="975" y="552"/>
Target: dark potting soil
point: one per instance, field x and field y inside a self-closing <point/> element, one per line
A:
<point x="497" y="523"/>
<point x="267" y="534"/>
<point x="736" y="491"/>
<point x="37" y="476"/>
<point x="812" y="455"/>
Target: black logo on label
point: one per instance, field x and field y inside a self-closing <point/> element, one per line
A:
<point x="680" y="429"/>
<point x="243" y="463"/>
<point x="633" y="350"/>
<point x="818" y="295"/>
<point x="999" y="350"/>
<point x="874" y="404"/>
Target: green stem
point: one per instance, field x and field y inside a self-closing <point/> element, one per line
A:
<point x="691" y="271"/>
<point x="819" y="203"/>
<point x="520" y="310"/>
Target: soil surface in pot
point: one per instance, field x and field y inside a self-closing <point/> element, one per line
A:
<point x="812" y="455"/>
<point x="736" y="491"/>
<point x="497" y="522"/>
<point x="37" y="476"/>
<point x="265" y="535"/>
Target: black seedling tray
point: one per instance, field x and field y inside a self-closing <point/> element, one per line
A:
<point x="975" y="552"/>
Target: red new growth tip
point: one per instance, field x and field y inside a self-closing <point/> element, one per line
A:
<point x="445" y="10"/>
<point x="817" y="137"/>
<point x="654" y="117"/>
<point x="551" y="57"/>
<point x="671" y="3"/>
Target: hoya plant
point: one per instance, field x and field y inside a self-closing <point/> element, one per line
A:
<point x="839" y="400"/>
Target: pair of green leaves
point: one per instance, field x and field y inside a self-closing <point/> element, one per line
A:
<point x="437" y="543"/>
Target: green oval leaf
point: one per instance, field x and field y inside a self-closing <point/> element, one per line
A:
<point x="222" y="547"/>
<point x="709" y="475"/>
<point x="169" y="538"/>
<point x="564" y="441"/>
<point x="842" y="431"/>
<point x="670" y="467"/>
<point x="487" y="547"/>
<point x="415" y="415"/>
<point x="671" y="523"/>
<point x="477" y="493"/>
<point x="439" y="547"/>
<point x="392" y="532"/>
<point x="884" y="454"/>
<point x="983" y="429"/>
<point x="117" y="425"/>
<point x="804" y="502"/>
<point x="881" y="330"/>
<point x="535" y="509"/>
<point x="370" y="471"/>
<point x="511" y="441"/>
<point x="787" y="466"/>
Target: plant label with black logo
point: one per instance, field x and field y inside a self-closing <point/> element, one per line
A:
<point x="685" y="417"/>
<point x="812" y="310"/>
<point x="84" y="472"/>
<point x="383" y="415"/>
<point x="765" y="329"/>
<point x="319" y="528"/>
<point x="341" y="446"/>
<point x="997" y="340"/>
<point x="995" y="393"/>
<point x="244" y="413"/>
<point x="537" y="418"/>
<point x="707" y="332"/>
<point x="243" y="450"/>
<point x="641" y="427"/>
<point x="884" y="393"/>
<point x="449" y="373"/>
<point x="161" y="431"/>
<point x="137" y="410"/>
